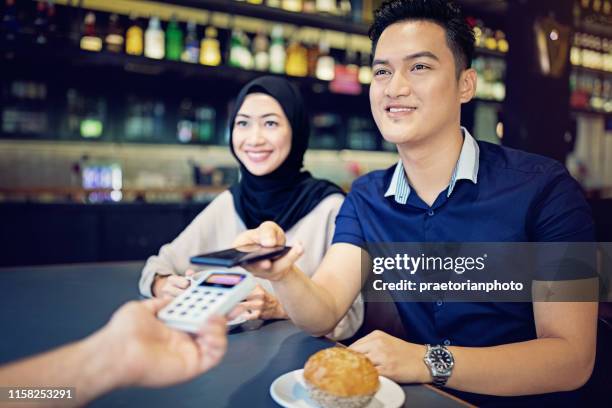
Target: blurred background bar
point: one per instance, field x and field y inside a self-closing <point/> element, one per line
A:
<point x="114" y="112"/>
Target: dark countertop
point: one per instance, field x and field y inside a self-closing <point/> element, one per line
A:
<point x="44" y="307"/>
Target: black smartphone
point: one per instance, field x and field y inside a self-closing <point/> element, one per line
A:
<point x="239" y="256"/>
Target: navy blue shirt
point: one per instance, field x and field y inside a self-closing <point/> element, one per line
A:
<point x="518" y="197"/>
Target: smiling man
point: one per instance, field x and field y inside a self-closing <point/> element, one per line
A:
<point x="447" y="187"/>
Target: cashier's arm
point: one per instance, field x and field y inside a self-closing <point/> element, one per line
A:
<point x="560" y="359"/>
<point x="133" y="349"/>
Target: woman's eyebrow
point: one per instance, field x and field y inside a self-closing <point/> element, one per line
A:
<point x="265" y="115"/>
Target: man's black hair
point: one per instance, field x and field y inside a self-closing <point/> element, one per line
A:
<point x="459" y="34"/>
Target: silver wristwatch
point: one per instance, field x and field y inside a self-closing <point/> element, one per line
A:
<point x="440" y="362"/>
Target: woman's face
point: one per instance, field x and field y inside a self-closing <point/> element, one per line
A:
<point x="262" y="134"/>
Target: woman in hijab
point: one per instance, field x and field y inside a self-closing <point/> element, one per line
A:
<point x="269" y="132"/>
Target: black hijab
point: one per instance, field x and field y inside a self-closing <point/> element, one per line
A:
<point x="287" y="194"/>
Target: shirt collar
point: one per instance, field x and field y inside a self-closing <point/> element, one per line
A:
<point x="465" y="169"/>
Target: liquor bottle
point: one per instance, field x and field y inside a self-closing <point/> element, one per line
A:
<point x="260" y="49"/>
<point x="502" y="42"/>
<point x="274" y="3"/>
<point x="255" y="1"/>
<point x="90" y="41"/>
<point x="326" y="63"/>
<point x="313" y="55"/>
<point x="277" y="51"/>
<point x="51" y="19"/>
<point x="40" y="24"/>
<point x="344" y="8"/>
<point x="325" y="6"/>
<point x="365" y="70"/>
<point x="210" y="51"/>
<point x="154" y="40"/>
<point x="114" y="39"/>
<point x="10" y="24"/>
<point x="174" y="40"/>
<point x="297" y="59"/>
<point x="489" y="40"/>
<point x="185" y="125"/>
<point x="309" y="6"/>
<point x="191" y="53"/>
<point x="134" y="43"/>
<point x="240" y="55"/>
<point x="346" y="76"/>
<point x="292" y="5"/>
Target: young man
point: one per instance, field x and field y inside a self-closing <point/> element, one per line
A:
<point x="134" y="349"/>
<point x="446" y="187"/>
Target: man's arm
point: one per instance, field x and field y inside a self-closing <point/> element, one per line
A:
<point x="560" y="359"/>
<point x="329" y="294"/>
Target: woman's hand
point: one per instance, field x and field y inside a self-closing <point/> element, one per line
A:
<point x="261" y="304"/>
<point x="168" y="287"/>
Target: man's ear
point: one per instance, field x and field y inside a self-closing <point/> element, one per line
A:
<point x="467" y="85"/>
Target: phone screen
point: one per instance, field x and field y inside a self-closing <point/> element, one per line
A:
<point x="225" y="280"/>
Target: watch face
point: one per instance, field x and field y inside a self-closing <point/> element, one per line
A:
<point x="441" y="359"/>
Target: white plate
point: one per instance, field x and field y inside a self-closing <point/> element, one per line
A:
<point x="289" y="391"/>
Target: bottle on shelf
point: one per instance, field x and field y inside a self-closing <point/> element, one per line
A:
<point x="292" y="5"/>
<point x="344" y="8"/>
<point x="502" y="42"/>
<point x="309" y="6"/>
<point x="346" y="76"/>
<point x="40" y="24"/>
<point x="255" y="2"/>
<point x="325" y="64"/>
<point x="191" y="53"/>
<point x="134" y="42"/>
<point x="185" y="125"/>
<point x="489" y="40"/>
<point x="277" y="51"/>
<point x="313" y="55"/>
<point x="51" y="19"/>
<point x="10" y="24"/>
<point x="154" y="45"/>
<point x="273" y="3"/>
<point x="297" y="59"/>
<point x="326" y="6"/>
<point x="365" y="70"/>
<point x="114" y="38"/>
<point x="240" y="53"/>
<point x="90" y="40"/>
<point x="174" y="40"/>
<point x="260" y="50"/>
<point x="210" y="50"/>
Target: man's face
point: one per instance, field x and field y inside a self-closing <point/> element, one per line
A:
<point x="414" y="93"/>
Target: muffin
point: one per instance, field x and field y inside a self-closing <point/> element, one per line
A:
<point x="340" y="378"/>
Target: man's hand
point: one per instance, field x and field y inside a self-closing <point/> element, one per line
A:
<point x="394" y="358"/>
<point x="261" y="304"/>
<point x="150" y="354"/>
<point x="168" y="287"/>
<point x="269" y="234"/>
